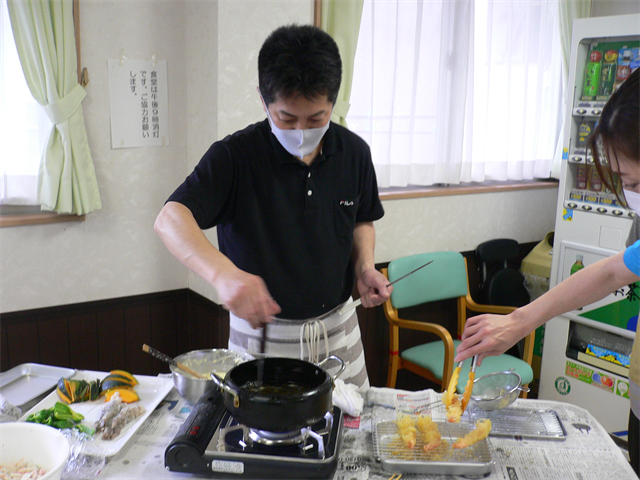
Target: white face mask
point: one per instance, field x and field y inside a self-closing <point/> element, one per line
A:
<point x="633" y="200"/>
<point x="298" y="143"/>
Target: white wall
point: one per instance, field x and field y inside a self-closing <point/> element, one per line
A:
<point x="115" y="252"/>
<point x="211" y="49"/>
<point x="602" y="8"/>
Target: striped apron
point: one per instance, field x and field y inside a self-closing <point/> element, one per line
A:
<point x="308" y="340"/>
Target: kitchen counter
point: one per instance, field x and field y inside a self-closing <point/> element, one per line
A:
<point x="587" y="453"/>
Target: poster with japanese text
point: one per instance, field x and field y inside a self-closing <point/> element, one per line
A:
<point x="139" y="103"/>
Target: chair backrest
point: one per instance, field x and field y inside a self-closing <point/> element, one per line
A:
<point x="445" y="278"/>
<point x="501" y="284"/>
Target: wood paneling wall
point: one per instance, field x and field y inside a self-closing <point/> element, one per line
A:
<point x="109" y="334"/>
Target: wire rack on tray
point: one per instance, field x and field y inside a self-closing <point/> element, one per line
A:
<point x="521" y="422"/>
<point x="444" y="460"/>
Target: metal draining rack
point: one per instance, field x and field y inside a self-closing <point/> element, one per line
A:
<point x="526" y="423"/>
<point x="444" y="460"/>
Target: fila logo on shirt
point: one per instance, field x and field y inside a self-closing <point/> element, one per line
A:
<point x="346" y="203"/>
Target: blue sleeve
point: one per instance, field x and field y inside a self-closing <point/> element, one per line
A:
<point x="632" y="258"/>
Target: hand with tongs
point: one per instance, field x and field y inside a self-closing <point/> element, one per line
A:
<point x="456" y="406"/>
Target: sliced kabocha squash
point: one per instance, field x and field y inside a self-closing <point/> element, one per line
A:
<point x="127" y="375"/>
<point x="72" y="391"/>
<point x="127" y="394"/>
<point x="64" y="392"/>
<point x="118" y="378"/>
<point x="109" y="383"/>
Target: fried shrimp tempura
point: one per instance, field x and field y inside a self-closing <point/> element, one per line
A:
<point x="450" y="393"/>
<point x="452" y="401"/>
<point x="407" y="431"/>
<point x="454" y="410"/>
<point x="466" y="396"/>
<point x="430" y="433"/>
<point x="482" y="430"/>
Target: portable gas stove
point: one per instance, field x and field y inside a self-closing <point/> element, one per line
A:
<point x="212" y="443"/>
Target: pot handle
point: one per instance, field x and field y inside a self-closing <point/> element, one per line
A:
<point x="338" y="359"/>
<point x="223" y="385"/>
<point x="524" y="389"/>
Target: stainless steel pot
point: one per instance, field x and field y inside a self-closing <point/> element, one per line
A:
<point x="497" y="390"/>
<point x="292" y="394"/>
<point x="218" y="360"/>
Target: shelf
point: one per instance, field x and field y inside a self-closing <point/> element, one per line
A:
<point x="589" y="207"/>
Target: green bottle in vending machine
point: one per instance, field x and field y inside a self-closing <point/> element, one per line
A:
<point x="592" y="75"/>
<point x="608" y="75"/>
<point x="578" y="265"/>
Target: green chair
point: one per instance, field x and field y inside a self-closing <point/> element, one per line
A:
<point x="445" y="278"/>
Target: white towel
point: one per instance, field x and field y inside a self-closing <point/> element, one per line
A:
<point x="346" y="396"/>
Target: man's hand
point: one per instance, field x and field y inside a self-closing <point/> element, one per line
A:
<point x="247" y="297"/>
<point x="243" y="294"/>
<point x="373" y="289"/>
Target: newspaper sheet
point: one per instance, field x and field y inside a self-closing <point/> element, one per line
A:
<point x="587" y="452"/>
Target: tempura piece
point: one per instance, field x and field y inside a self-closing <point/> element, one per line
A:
<point x="456" y="405"/>
<point x="466" y="396"/>
<point x="454" y="410"/>
<point x="482" y="430"/>
<point x="450" y="392"/>
<point x="407" y="431"/>
<point x="430" y="433"/>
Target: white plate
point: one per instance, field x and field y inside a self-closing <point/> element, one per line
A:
<point x="151" y="391"/>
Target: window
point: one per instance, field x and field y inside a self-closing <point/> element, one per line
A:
<point x="464" y="91"/>
<point x="24" y="126"/>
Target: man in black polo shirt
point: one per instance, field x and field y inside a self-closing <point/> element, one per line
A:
<point x="294" y="198"/>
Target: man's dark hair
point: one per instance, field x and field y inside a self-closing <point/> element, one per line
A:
<point x="299" y="60"/>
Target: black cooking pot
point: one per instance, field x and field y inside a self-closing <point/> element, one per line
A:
<point x="293" y="393"/>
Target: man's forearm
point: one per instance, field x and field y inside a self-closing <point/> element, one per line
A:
<point x="187" y="242"/>
<point x="364" y="240"/>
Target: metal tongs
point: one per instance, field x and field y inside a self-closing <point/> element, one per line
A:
<point x="453" y="383"/>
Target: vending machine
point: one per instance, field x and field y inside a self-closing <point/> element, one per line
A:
<point x="585" y="358"/>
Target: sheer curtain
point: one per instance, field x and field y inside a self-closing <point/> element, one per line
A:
<point x="45" y="40"/>
<point x="569" y="10"/>
<point x="464" y="91"/>
<point x="24" y="126"/>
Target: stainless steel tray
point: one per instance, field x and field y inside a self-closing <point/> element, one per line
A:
<point x="520" y="422"/>
<point x="444" y="460"/>
<point x="27" y="384"/>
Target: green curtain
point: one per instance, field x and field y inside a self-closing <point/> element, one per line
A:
<point x="341" y="20"/>
<point x="45" y="40"/>
<point x="568" y="11"/>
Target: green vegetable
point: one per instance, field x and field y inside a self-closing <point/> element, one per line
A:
<point x="85" y="429"/>
<point x="60" y="416"/>
<point x="61" y="424"/>
<point x="62" y="411"/>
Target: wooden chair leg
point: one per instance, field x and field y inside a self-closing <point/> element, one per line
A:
<point x="392" y="376"/>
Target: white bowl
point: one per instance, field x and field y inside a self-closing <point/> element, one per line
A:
<point x="39" y="445"/>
